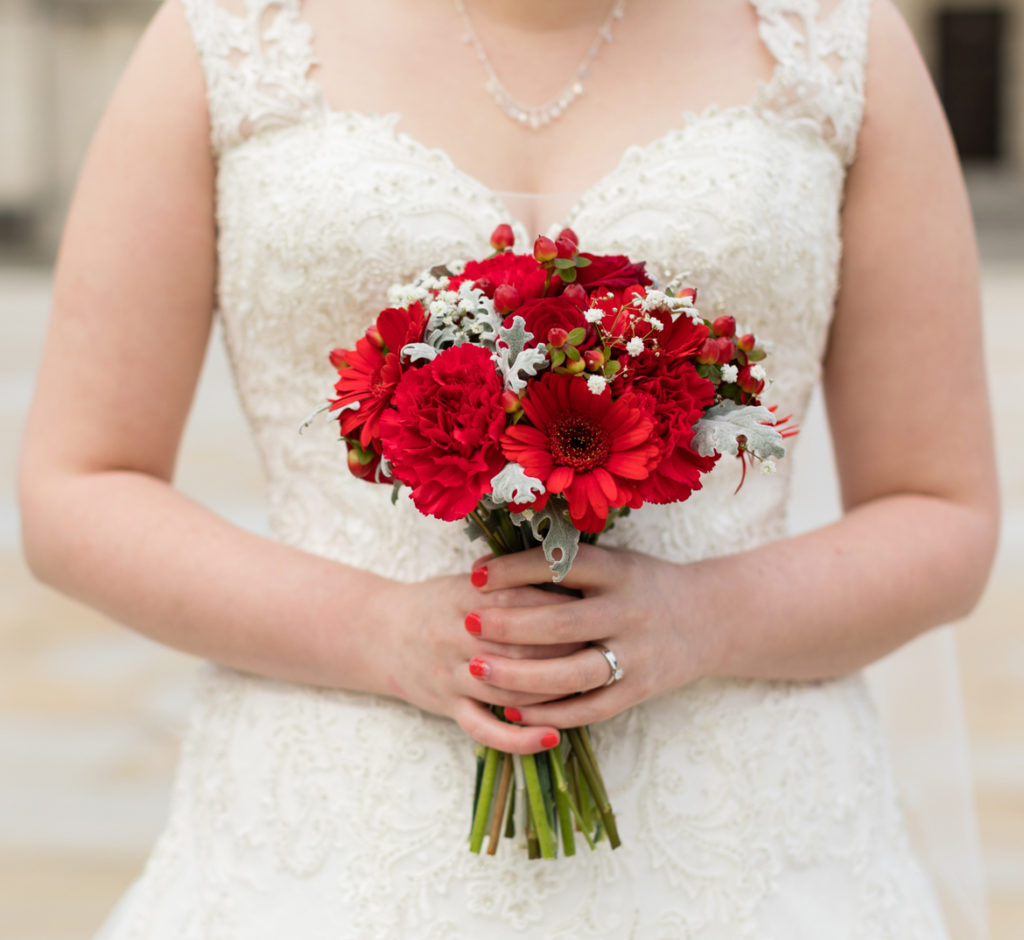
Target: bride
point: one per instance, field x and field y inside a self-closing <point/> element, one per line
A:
<point x="281" y="165"/>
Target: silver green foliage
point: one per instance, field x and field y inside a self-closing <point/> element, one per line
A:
<point x="512" y="485"/>
<point x="516" y="363"/>
<point x="560" y="540"/>
<point x="721" y="425"/>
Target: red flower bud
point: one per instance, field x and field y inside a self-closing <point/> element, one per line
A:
<point x="708" y="352"/>
<point x="565" y="247"/>
<point x="570" y="235"/>
<point x="593" y="359"/>
<point x="373" y="335"/>
<point x="337" y="358"/>
<point x="725" y="350"/>
<point x="510" y="401"/>
<point x="502" y="237"/>
<point x="635" y="290"/>
<point x="507" y="299"/>
<point x="486" y="285"/>
<point x="576" y="294"/>
<point x="544" y="249"/>
<point x="724" y="326"/>
<point x="746" y="342"/>
<point x="557" y="336"/>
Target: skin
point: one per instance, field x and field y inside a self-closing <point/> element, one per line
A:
<point x="131" y="319"/>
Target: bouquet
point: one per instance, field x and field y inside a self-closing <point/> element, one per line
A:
<point x="539" y="397"/>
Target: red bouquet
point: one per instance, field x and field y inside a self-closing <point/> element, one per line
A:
<point x="540" y="397"/>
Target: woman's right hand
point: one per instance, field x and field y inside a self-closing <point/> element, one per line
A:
<point x="423" y="652"/>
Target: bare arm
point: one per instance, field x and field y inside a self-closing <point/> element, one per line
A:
<point x="907" y="402"/>
<point x="131" y="319"/>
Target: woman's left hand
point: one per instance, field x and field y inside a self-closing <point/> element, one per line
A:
<point x="635" y="605"/>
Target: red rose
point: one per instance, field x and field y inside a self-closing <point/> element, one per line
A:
<point x="369" y="374"/>
<point x="442" y="435"/>
<point x="614" y="271"/>
<point x="675" y="397"/>
<point x="520" y="271"/>
<point x="542" y="314"/>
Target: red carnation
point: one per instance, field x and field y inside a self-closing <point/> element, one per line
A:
<point x="585" y="446"/>
<point x="613" y="271"/>
<point x="520" y="271"/>
<point x="369" y="374"/>
<point x="442" y="435"/>
<point x="675" y="397"/>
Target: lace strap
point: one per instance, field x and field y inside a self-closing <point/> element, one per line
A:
<point x="821" y="61"/>
<point x="257" y="64"/>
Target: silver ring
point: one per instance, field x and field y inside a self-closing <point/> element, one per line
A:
<point x="613" y="663"/>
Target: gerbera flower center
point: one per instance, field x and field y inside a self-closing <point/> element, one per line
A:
<point x="579" y="442"/>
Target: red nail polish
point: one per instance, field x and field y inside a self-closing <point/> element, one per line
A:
<point x="479" y="668"/>
<point x="473" y="624"/>
<point x="479" y="576"/>
<point x="513" y="714"/>
<point x="549" y="740"/>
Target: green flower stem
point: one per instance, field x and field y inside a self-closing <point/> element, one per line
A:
<point x="596" y="784"/>
<point x="510" y="822"/>
<point x="563" y="801"/>
<point x="532" y="846"/>
<point x="538" y="812"/>
<point x="499" y="803"/>
<point x="483" y="802"/>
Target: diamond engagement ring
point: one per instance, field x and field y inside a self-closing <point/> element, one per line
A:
<point x="613" y="663"/>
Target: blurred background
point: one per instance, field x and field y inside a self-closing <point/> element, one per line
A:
<point x="91" y="715"/>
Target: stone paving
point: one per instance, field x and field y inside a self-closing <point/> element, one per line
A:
<point x="91" y="714"/>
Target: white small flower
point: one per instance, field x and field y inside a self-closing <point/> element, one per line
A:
<point x="448" y="296"/>
<point x="656" y="324"/>
<point x="597" y="384"/>
<point x="730" y="373"/>
<point x="594" y="315"/>
<point x="767" y="467"/>
<point x="635" y="346"/>
<point x="757" y="373"/>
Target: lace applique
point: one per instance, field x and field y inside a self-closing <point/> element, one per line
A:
<point x="257" y="67"/>
<point x="821" y="59"/>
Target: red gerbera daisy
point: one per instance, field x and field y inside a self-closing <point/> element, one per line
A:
<point x="588" y="447"/>
<point x="368" y="375"/>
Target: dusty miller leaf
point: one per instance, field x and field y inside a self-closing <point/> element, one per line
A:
<point x="560" y="536"/>
<point x="727" y="421"/>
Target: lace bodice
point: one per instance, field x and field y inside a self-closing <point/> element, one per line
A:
<point x="749" y="808"/>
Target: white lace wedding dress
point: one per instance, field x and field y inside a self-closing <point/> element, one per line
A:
<point x="747" y="808"/>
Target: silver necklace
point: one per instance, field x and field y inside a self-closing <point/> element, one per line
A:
<point x="539" y="117"/>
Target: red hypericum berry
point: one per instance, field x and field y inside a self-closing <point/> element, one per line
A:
<point x="633" y="291"/>
<point x="575" y="366"/>
<point x="688" y="292"/>
<point x="337" y="358"/>
<point x="746" y="342"/>
<point x="576" y="294"/>
<point x="544" y="249"/>
<point x="748" y="383"/>
<point x="725" y="350"/>
<point x="594" y="359"/>
<point x="486" y="285"/>
<point x="502" y="237"/>
<point x="373" y="335"/>
<point x="358" y="464"/>
<point x="557" y="336"/>
<point x="507" y="299"/>
<point x="708" y="352"/>
<point x="724" y="326"/>
<point x="510" y="401"/>
<point x="565" y="247"/>
<point x="570" y="235"/>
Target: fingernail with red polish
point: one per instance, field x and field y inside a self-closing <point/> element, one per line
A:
<point x="479" y="576"/>
<point x="473" y="624"/>
<point x="479" y="668"/>
<point x="513" y="714"/>
<point x="549" y="740"/>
